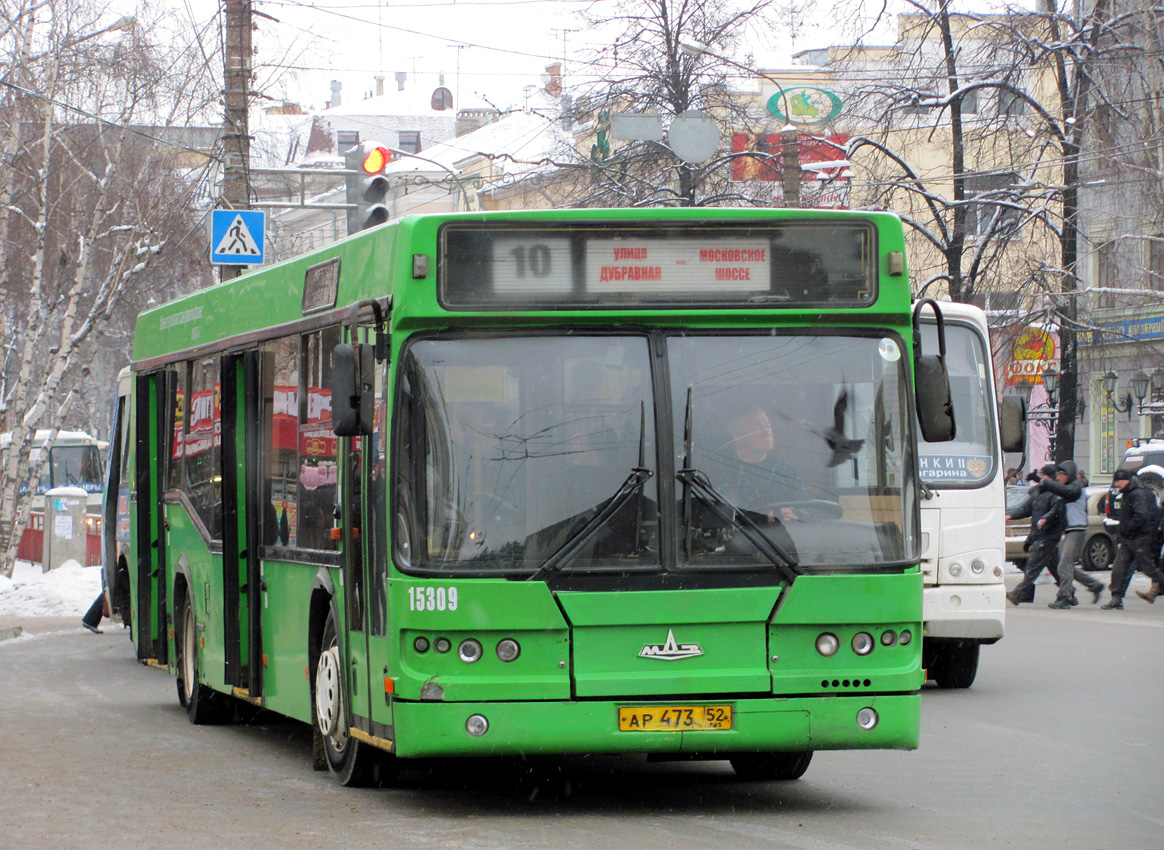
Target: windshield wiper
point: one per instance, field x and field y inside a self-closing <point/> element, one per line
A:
<point x="633" y="483"/>
<point x="698" y="482"/>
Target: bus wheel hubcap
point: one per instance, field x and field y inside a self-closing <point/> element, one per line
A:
<point x="328" y="696"/>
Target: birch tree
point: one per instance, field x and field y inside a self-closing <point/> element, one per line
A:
<point x="94" y="203"/>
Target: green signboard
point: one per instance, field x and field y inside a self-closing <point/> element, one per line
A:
<point x="804" y="105"/>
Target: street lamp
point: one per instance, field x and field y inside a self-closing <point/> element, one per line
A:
<point x="789" y="135"/>
<point x="1140" y="383"/>
<point x="123" y="24"/>
<point x="1051" y="382"/>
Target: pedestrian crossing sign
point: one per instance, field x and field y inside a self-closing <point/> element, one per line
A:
<point x="236" y="237"/>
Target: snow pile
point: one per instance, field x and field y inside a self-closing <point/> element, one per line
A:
<point x="67" y="590"/>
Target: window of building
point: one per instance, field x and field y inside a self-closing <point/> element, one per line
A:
<point x="996" y="212"/>
<point x="410" y="141"/>
<point x="1156" y="262"/>
<point x="998" y="302"/>
<point x="345" y="140"/>
<point x="1105" y="273"/>
<point x="970" y="103"/>
<point x="1010" y="104"/>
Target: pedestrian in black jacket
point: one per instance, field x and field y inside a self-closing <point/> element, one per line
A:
<point x="1138" y="517"/>
<point x="1069" y="484"/>
<point x="1048" y="521"/>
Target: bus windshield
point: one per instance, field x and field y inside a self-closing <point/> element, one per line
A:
<point x="968" y="460"/>
<point x="77" y="466"/>
<point x="518" y="452"/>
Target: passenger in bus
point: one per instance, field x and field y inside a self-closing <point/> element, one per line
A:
<point x="757" y="479"/>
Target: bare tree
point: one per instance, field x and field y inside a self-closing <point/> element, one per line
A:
<point x="94" y="205"/>
<point x="647" y="70"/>
<point x="1005" y="215"/>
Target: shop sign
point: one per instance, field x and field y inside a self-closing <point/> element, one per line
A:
<point x="1033" y="352"/>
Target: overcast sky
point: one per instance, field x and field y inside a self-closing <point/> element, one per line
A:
<point x="498" y="46"/>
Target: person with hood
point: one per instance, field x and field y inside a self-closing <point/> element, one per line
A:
<point x="1069" y="485"/>
<point x="1048" y="520"/>
<point x="1137" y="516"/>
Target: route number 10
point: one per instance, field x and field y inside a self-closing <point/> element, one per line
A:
<point x="533" y="258"/>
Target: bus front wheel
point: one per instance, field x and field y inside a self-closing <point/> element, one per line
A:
<point x="769" y="766"/>
<point x="955" y="665"/>
<point x="203" y="705"/>
<point x="350" y="762"/>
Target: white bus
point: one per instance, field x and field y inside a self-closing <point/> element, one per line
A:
<point x="963" y="507"/>
<point x="75" y="460"/>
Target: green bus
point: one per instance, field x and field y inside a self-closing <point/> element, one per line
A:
<point x="542" y="482"/>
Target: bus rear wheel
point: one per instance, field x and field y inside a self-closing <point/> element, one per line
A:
<point x="350" y="762"/>
<point x="203" y="705"/>
<point x="770" y="766"/>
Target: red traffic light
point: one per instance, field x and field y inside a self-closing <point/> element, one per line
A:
<point x="376" y="159"/>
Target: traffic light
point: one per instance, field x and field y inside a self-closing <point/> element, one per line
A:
<point x="367" y="186"/>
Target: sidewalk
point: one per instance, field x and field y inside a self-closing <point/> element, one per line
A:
<point x="10" y="623"/>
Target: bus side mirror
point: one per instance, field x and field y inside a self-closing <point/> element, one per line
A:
<point x="1012" y="420"/>
<point x="935" y="405"/>
<point x="352" y="389"/>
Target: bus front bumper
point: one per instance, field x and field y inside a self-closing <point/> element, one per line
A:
<point x="562" y="728"/>
<point x="967" y="611"/>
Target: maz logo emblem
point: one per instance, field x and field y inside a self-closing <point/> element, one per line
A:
<point x="670" y="651"/>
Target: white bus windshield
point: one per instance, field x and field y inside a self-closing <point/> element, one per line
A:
<point x="968" y="460"/>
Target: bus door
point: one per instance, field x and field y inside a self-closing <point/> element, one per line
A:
<point x="241" y="533"/>
<point x="152" y="426"/>
<point x="363" y="523"/>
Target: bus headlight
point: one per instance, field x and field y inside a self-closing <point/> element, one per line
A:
<point x="477" y="725"/>
<point x="867" y="718"/>
<point x="978" y="566"/>
<point x="955" y="569"/>
<point x="508" y="649"/>
<point x="827" y="644"/>
<point x="862" y="643"/>
<point x="470" y="651"/>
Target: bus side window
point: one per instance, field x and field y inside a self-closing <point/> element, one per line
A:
<point x="177" y="454"/>
<point x="318" y="445"/>
<point x="281" y="438"/>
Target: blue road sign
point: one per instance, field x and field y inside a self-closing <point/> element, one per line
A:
<point x="236" y="237"/>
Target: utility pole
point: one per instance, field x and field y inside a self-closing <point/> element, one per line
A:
<point x="236" y="140"/>
<point x="790" y="144"/>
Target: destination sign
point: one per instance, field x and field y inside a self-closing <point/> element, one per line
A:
<point x="614" y="265"/>
<point x="539" y="266"/>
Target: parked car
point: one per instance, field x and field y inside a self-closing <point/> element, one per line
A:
<point x="1098" y="549"/>
<point x="1148" y="453"/>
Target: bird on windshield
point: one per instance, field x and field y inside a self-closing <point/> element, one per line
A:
<point x="843" y="447"/>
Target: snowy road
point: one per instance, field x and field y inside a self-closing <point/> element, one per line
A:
<point x="1057" y="744"/>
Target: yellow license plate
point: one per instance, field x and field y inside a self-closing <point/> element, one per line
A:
<point x="675" y="718"/>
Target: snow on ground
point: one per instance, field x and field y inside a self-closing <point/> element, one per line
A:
<point x="69" y="589"/>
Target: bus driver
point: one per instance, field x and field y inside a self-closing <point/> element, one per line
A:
<point x="759" y="480"/>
